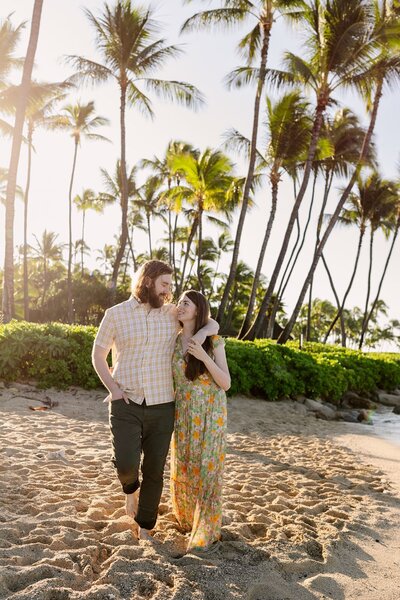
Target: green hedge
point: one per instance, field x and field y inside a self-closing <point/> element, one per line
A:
<point x="60" y="355"/>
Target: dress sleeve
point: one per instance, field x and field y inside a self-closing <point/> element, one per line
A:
<point x="106" y="332"/>
<point x="217" y="340"/>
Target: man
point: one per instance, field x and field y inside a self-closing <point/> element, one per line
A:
<point x="142" y="333"/>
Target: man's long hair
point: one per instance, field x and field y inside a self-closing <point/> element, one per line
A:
<point x="194" y="366"/>
<point x="147" y="274"/>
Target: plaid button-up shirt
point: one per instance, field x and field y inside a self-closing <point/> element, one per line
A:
<point x="142" y="344"/>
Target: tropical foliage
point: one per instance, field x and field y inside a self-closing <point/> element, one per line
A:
<point x="197" y="196"/>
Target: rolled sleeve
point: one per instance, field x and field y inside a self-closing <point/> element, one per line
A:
<point x="106" y="332"/>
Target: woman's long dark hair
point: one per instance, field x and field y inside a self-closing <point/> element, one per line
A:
<point x="194" y="366"/>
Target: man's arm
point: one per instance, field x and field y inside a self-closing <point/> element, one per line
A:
<point x="210" y="328"/>
<point x="99" y="361"/>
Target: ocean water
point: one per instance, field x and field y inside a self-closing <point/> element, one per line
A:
<point x="386" y="425"/>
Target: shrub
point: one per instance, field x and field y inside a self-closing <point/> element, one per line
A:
<point x="60" y="355"/>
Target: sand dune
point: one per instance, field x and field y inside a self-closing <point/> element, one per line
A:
<point x="299" y="510"/>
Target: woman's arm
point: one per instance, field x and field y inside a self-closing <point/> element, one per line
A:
<point x="218" y="368"/>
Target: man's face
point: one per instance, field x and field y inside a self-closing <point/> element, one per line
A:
<point x="160" y="290"/>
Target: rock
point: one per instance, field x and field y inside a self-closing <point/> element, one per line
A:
<point x="322" y="410"/>
<point x="396" y="410"/>
<point x="350" y="416"/>
<point x="363" y="416"/>
<point x="389" y="399"/>
<point x="300" y="398"/>
<point x="353" y="400"/>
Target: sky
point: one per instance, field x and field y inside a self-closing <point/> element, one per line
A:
<point x="207" y="58"/>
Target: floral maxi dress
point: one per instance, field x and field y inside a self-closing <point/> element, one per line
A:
<point x="198" y="452"/>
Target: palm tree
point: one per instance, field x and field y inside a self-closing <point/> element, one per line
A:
<point x="8" y="282"/>
<point x="163" y="170"/>
<point x="113" y="193"/>
<point x="149" y="201"/>
<point x="359" y="211"/>
<point x="126" y="40"/>
<point x="207" y="181"/>
<point x="42" y="100"/>
<point x="345" y="136"/>
<point x="396" y="227"/>
<point x="81" y="121"/>
<point x="46" y="251"/>
<point x="253" y="47"/>
<point x="288" y="130"/>
<point x="9" y="39"/>
<point x="382" y="69"/>
<point x="386" y="207"/>
<point x="88" y="200"/>
<point x="339" y="46"/>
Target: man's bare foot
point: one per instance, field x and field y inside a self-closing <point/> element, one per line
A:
<point x="144" y="534"/>
<point x="131" y="504"/>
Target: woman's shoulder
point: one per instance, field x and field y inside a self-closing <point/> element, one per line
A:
<point x="217" y="340"/>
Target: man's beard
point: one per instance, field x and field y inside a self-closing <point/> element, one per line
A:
<point x="155" y="301"/>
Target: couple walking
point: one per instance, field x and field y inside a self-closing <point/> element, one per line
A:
<point x="169" y="372"/>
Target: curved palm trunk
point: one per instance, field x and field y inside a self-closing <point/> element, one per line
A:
<point x="367" y="320"/>
<point x="69" y="276"/>
<point x="174" y="251"/>
<point x="255" y="328"/>
<point x="342" y="326"/>
<point x="149" y="234"/>
<point x="124" y="198"/>
<point x="250" y="173"/>
<point x="250" y="307"/>
<point x="328" y="184"/>
<point x="371" y="248"/>
<point x="83" y="239"/>
<point x="299" y="249"/>
<point x="8" y="282"/>
<point x="282" y="287"/>
<point x="26" y="199"/>
<point x="188" y="245"/>
<point x="130" y="238"/>
<point x="350" y="284"/>
<point x="200" y="248"/>
<point x="364" y="149"/>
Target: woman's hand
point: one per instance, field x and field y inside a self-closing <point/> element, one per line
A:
<point x="196" y="350"/>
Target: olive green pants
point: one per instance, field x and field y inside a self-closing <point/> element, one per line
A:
<point x="136" y="430"/>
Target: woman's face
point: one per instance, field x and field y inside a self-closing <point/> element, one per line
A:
<point x="187" y="309"/>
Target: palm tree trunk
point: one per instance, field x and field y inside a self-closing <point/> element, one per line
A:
<point x="174" y="251"/>
<point x="365" y="146"/>
<point x="69" y="277"/>
<point x="200" y="248"/>
<point x="327" y="188"/>
<point x="299" y="249"/>
<point x="130" y="238"/>
<point x="26" y="199"/>
<point x="254" y="330"/>
<point x="149" y="234"/>
<point x="8" y="282"/>
<point x="365" y="324"/>
<point x="83" y="239"/>
<point x="342" y="327"/>
<point x="124" y="198"/>
<point x="250" y="173"/>
<point x="340" y="311"/>
<point x="371" y="247"/>
<point x="250" y="307"/>
<point x="189" y="243"/>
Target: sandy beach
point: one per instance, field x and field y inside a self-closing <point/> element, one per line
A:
<point x="311" y="509"/>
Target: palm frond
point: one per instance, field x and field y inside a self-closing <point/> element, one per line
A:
<point x="242" y="76"/>
<point x="219" y="18"/>
<point x="179" y="91"/>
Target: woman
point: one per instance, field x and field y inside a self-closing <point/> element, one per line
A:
<point x="201" y="377"/>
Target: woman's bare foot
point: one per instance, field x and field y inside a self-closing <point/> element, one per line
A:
<point x="131" y="504"/>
